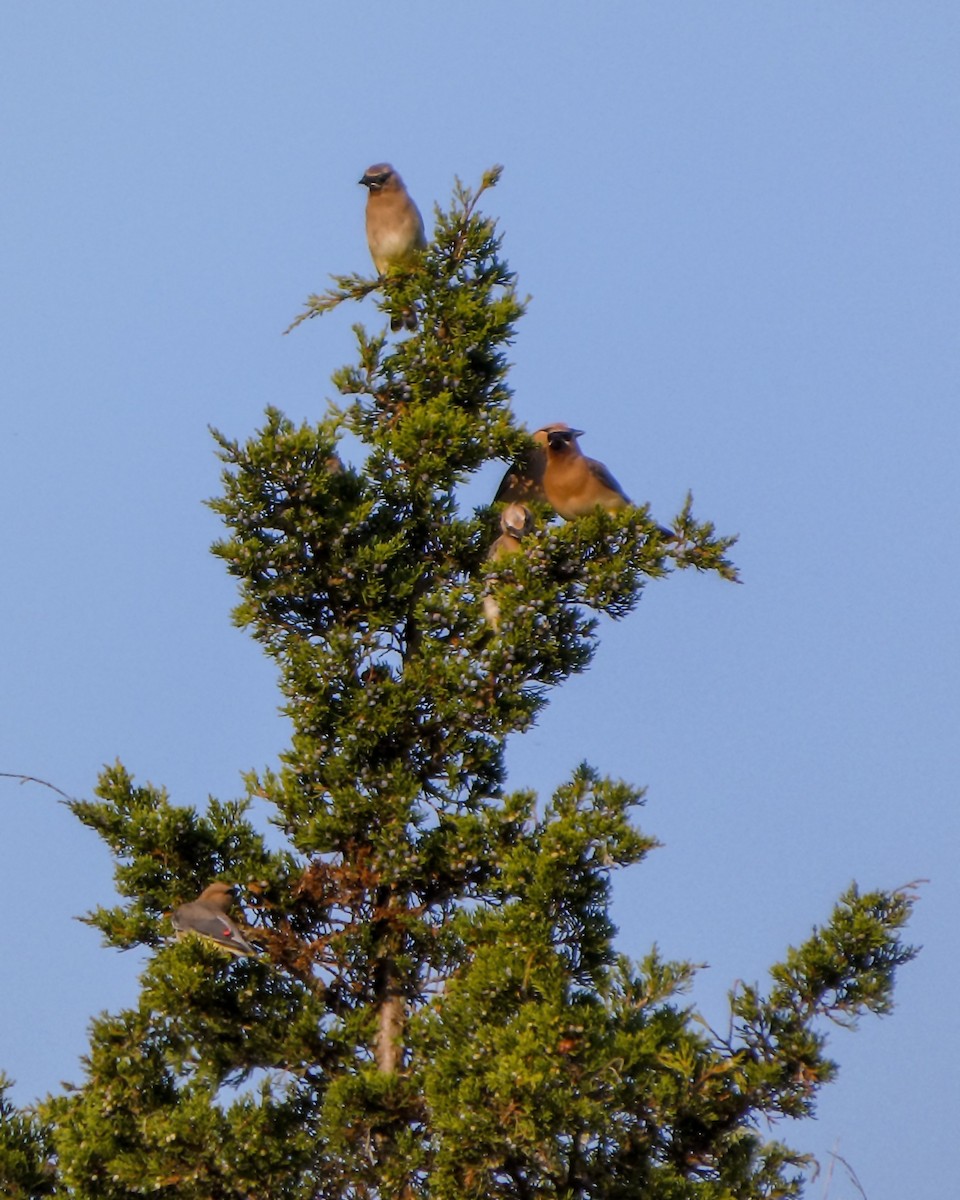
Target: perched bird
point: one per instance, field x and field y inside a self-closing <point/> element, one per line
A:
<point x="207" y="916"/>
<point x="574" y="484"/>
<point x="524" y="480"/>
<point x="394" y="227"/>
<point x="516" y="521"/>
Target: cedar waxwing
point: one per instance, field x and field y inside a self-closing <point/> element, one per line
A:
<point x="207" y="916"/>
<point x="394" y="227"/>
<point x="524" y="480"/>
<point x="516" y="520"/>
<point x="574" y="484"/>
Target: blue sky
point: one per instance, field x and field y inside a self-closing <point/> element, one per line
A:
<point x="739" y="227"/>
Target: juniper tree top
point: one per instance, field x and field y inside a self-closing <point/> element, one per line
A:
<point x="438" y="1008"/>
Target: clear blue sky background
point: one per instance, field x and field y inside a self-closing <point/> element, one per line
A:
<point x="739" y="226"/>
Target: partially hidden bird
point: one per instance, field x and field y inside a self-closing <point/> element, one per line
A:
<point x="523" y="482"/>
<point x="208" y="917"/>
<point x="516" y="521"/>
<point x="574" y="484"/>
<point x="394" y="227"/>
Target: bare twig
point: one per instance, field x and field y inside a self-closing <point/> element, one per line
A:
<point x="828" y="1178"/>
<point x="43" y="783"/>
<point x="850" y="1172"/>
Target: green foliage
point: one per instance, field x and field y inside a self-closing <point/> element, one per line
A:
<point x="438" y="1008"/>
<point x="26" y="1151"/>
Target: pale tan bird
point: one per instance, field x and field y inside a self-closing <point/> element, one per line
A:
<point x="516" y="521"/>
<point x="394" y="227"/>
<point x="207" y="917"/>
<point x="574" y="484"/>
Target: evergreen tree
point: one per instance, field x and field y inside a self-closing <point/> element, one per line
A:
<point x="26" y="1148"/>
<point x="438" y="1008"/>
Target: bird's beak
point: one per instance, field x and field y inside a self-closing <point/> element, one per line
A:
<point x="577" y="432"/>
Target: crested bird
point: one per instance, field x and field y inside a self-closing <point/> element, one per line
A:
<point x="394" y="227"/>
<point x="574" y="484"/>
<point x="208" y="917"/>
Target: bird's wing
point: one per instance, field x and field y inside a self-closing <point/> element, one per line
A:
<point x="523" y="481"/>
<point x="603" y="476"/>
<point x="208" y="923"/>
